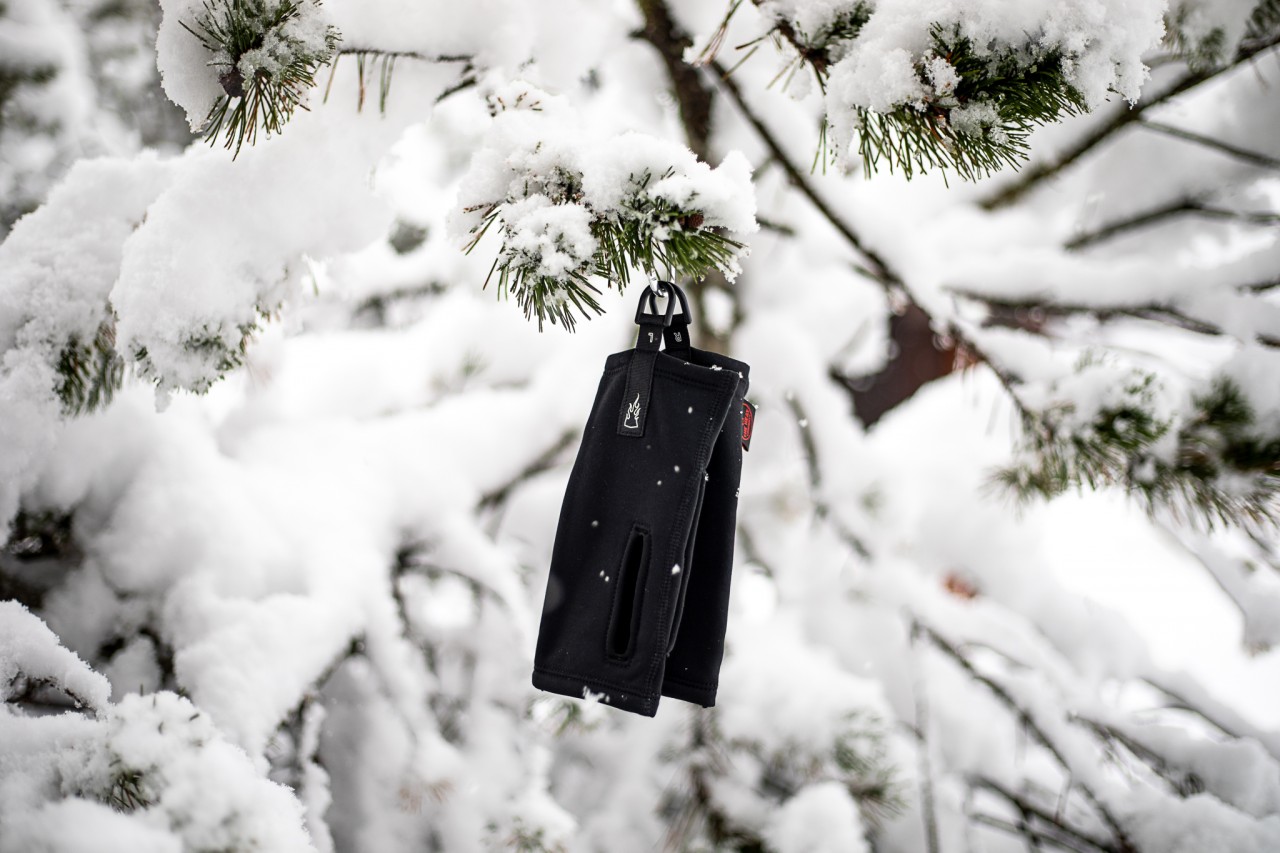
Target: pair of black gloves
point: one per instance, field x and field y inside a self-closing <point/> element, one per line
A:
<point x="638" y="595"/>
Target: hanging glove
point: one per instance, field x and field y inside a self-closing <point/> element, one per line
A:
<point x="637" y="595"/>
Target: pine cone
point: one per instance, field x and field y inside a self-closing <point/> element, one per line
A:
<point x="232" y="82"/>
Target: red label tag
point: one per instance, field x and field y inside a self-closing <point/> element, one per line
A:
<point x="748" y="421"/>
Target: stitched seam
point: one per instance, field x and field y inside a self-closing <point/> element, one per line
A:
<point x="612" y="685"/>
<point x="703" y="457"/>
<point x="641" y="577"/>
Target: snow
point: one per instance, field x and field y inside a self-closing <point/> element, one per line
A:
<point x="250" y="261"/>
<point x="552" y="175"/>
<point x="1202" y="823"/>
<point x="191" y="781"/>
<point x="57" y="268"/>
<point x="175" y="782"/>
<point x="820" y="819"/>
<point x="878" y="69"/>
<point x="184" y="63"/>
<point x="84" y="826"/>
<point x="31" y="653"/>
<point x="1198" y="21"/>
<point x="53" y="106"/>
<point x="337" y="553"/>
<point x="778" y="670"/>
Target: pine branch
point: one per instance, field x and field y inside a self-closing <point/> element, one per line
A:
<point x="1121" y="119"/>
<point x="1221" y="471"/>
<point x="982" y="124"/>
<point x="920" y="702"/>
<point x="975" y="124"/>
<point x="1253" y="158"/>
<point x="42" y="695"/>
<point x="1028" y="721"/>
<point x="877" y="267"/>
<point x="1167" y="211"/>
<point x="1182" y="703"/>
<point x="1181" y="784"/>
<point x="1260" y="286"/>
<point x="1185" y="487"/>
<point x="1054" y="829"/>
<point x="695" y="98"/>
<point x="818" y="49"/>
<point x="1036" y="836"/>
<point x="692" y="97"/>
<point x="706" y="758"/>
<point x="89" y="373"/>
<point x="545" y="461"/>
<point x="224" y="347"/>
<point x="1233" y="576"/>
<point x="374" y="63"/>
<point x="822" y="509"/>
<point x="266" y="56"/>
<point x="646" y="232"/>
<point x="161" y="648"/>
<point x="1029" y="314"/>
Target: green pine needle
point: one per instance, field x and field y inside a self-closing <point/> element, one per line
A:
<point x="89" y="373"/>
<point x="1023" y="89"/>
<point x="265" y="97"/>
<point x="1222" y="473"/>
<point x="1264" y="20"/>
<point x="645" y="233"/>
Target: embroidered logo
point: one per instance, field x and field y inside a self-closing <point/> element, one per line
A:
<point x="632" y="420"/>
<point x="748" y="423"/>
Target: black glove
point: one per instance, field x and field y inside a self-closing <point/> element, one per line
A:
<point x="638" y="593"/>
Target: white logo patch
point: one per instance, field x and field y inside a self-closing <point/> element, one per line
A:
<point x="632" y="420"/>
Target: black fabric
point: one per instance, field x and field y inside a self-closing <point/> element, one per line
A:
<point x="637" y="597"/>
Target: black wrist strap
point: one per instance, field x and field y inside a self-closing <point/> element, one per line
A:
<point x="635" y="399"/>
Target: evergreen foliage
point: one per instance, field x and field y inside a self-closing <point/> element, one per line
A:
<point x="646" y="233"/>
<point x="1212" y="468"/>
<point x="711" y="767"/>
<point x="982" y="124"/>
<point x="225" y="348"/>
<point x="977" y="127"/>
<point x="1264" y="21"/>
<point x="266" y="53"/>
<point x="429" y="737"/>
<point x="1202" y="51"/>
<point x="90" y="371"/>
<point x="17" y="120"/>
<point x="1206" y="48"/>
<point x="821" y="48"/>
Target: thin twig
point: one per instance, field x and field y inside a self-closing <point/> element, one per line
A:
<point x="1039" y="835"/>
<point x="821" y="508"/>
<point x="1004" y="311"/>
<point x="1030" y="809"/>
<point x="1119" y="120"/>
<point x="1252" y="157"/>
<point x="928" y="805"/>
<point x="751" y="550"/>
<point x="545" y="461"/>
<point x="878" y="268"/>
<point x="1168" y="211"/>
<point x="349" y="50"/>
<point x="1180" y="784"/>
<point x="1032" y="727"/>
